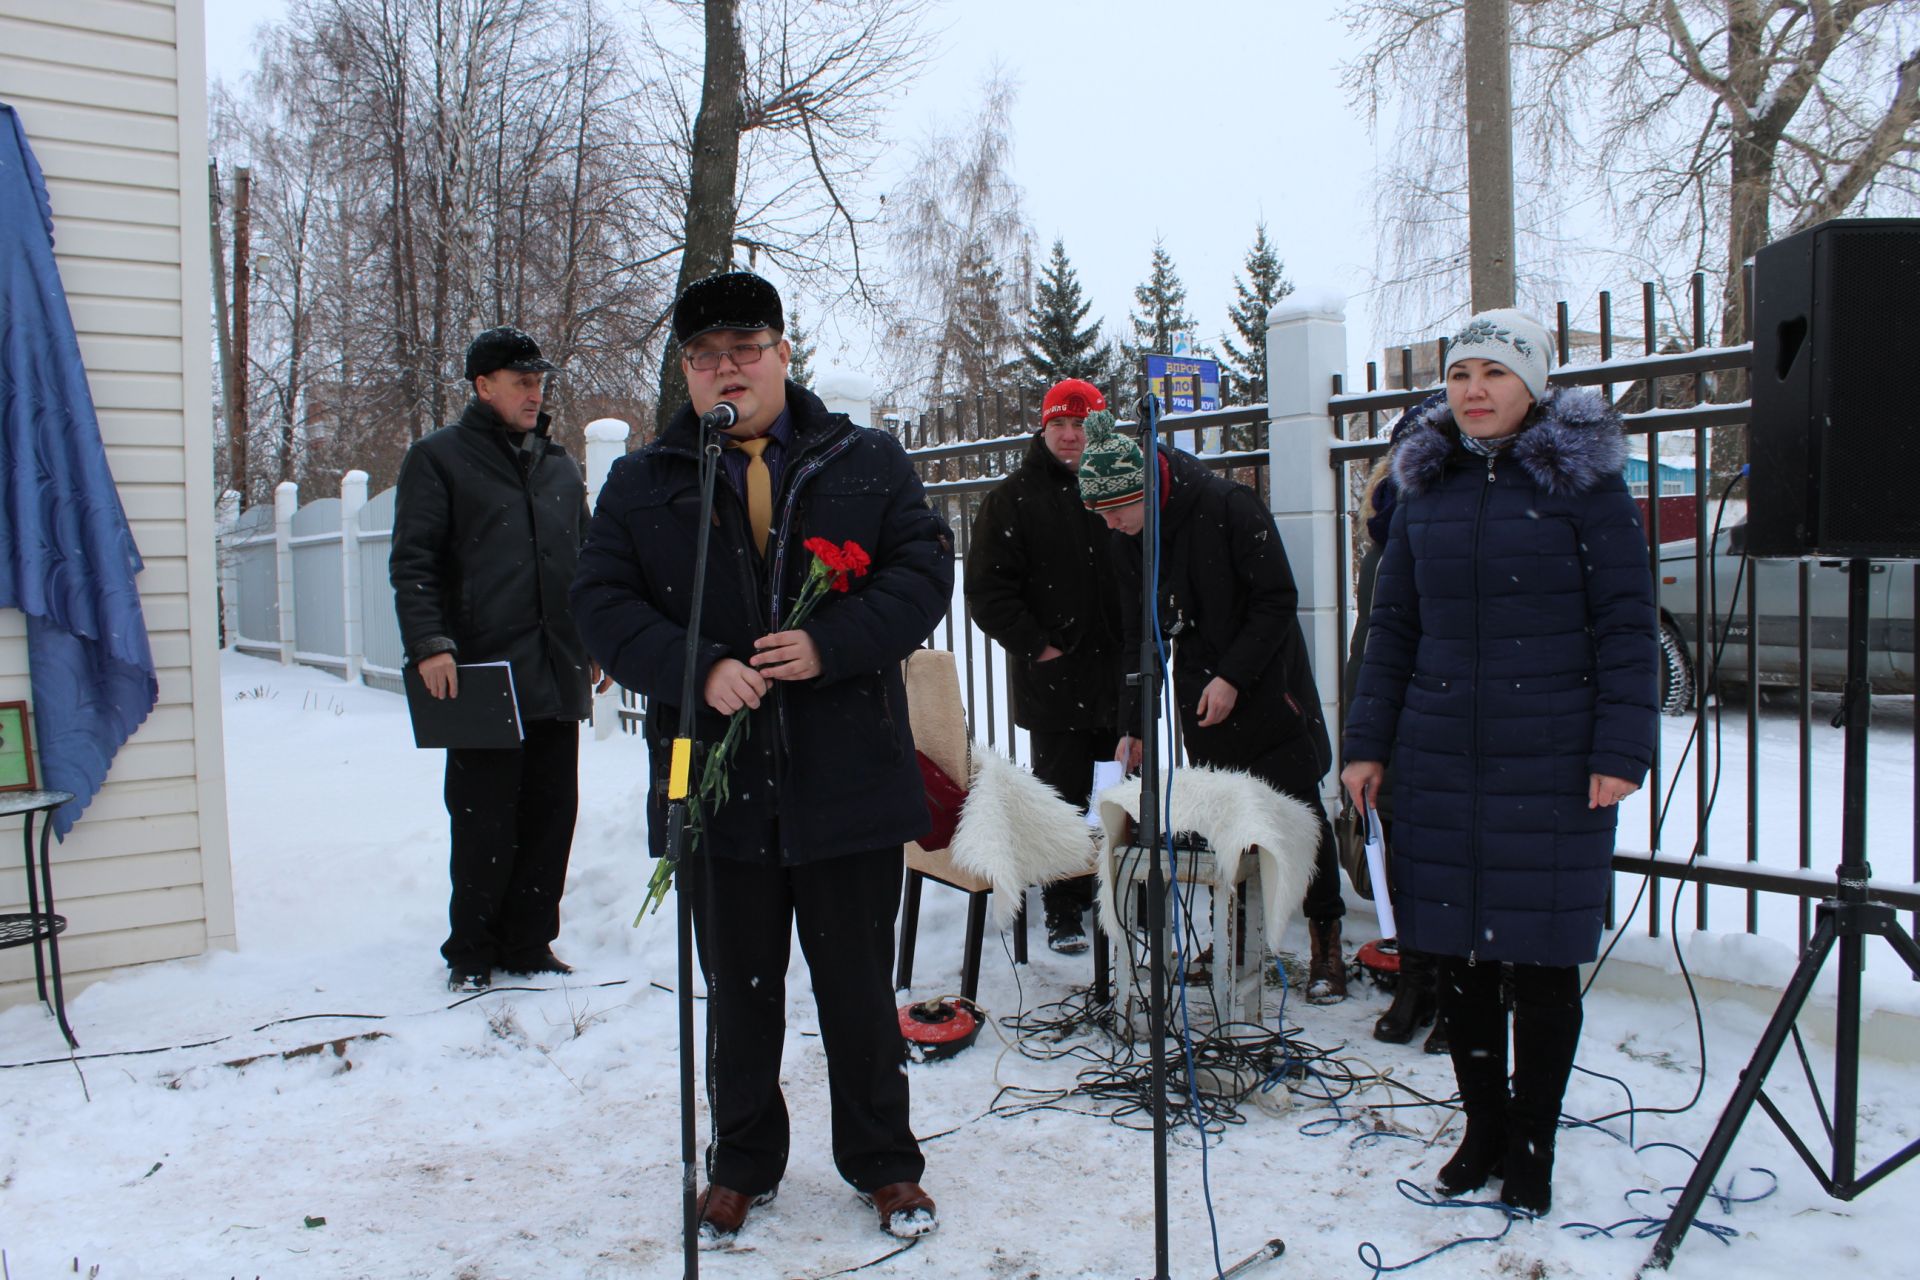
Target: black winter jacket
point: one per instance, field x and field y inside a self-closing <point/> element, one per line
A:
<point x="1039" y="572"/>
<point x="485" y="537"/>
<point x="829" y="762"/>
<point x="1229" y="606"/>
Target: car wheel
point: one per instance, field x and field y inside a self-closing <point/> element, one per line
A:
<point x="1676" y="673"/>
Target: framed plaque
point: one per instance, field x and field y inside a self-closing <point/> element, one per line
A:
<point x="16" y="748"/>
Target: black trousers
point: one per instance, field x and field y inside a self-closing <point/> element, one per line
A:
<point x="1064" y="760"/>
<point x="1292" y="770"/>
<point x="511" y="811"/>
<point x="745" y="914"/>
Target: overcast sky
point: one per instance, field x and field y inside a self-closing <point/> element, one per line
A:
<point x="1229" y="111"/>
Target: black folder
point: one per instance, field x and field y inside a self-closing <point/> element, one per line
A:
<point x="485" y="712"/>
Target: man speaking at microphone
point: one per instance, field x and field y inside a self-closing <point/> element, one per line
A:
<point x="824" y="790"/>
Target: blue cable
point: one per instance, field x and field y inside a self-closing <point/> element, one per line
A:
<point x="1644" y="1224"/>
<point x="1369" y="1252"/>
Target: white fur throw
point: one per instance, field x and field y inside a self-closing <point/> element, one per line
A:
<point x="1015" y="830"/>
<point x="1234" y="812"/>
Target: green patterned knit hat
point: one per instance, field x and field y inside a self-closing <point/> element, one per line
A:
<point x="1112" y="471"/>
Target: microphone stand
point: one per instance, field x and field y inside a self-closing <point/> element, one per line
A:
<point x="1150" y="817"/>
<point x="1149" y="830"/>
<point x="712" y="424"/>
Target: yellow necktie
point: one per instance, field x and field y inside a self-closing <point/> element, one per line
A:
<point x="759" y="488"/>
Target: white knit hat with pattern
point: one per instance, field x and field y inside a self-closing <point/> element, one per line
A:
<point x="1512" y="338"/>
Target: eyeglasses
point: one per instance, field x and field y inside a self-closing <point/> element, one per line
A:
<point x="743" y="355"/>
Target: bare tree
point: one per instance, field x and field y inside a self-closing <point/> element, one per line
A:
<point x="962" y="246"/>
<point x="792" y="98"/>
<point x="1701" y="128"/>
<point x="1410" y="79"/>
<point x="427" y="168"/>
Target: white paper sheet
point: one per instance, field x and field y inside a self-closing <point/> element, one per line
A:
<point x="1377" y="871"/>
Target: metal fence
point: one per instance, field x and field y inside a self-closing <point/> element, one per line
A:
<point x="963" y="449"/>
<point x="1642" y="386"/>
<point x="309" y="585"/>
<point x="1665" y="396"/>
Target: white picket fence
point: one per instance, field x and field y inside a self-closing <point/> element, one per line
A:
<point x="308" y="584"/>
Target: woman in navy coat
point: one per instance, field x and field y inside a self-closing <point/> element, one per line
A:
<point x="1510" y="678"/>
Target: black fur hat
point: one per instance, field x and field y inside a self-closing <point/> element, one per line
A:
<point x="730" y="300"/>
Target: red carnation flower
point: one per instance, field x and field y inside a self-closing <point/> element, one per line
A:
<point x="828" y="553"/>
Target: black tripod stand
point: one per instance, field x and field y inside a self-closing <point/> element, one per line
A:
<point x="1845" y="920"/>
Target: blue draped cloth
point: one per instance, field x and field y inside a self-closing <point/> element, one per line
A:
<point x="67" y="558"/>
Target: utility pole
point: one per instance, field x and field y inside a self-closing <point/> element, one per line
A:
<point x="222" y="332"/>
<point x="237" y="357"/>
<point x="1489" y="153"/>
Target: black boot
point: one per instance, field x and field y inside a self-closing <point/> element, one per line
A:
<point x="1413" y="1004"/>
<point x="1477" y="1035"/>
<point x="1065" y="902"/>
<point x="1546" y="1034"/>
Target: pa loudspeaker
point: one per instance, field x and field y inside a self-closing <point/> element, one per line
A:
<point x="1833" y="439"/>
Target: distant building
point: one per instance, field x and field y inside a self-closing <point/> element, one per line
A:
<point x="1676" y="476"/>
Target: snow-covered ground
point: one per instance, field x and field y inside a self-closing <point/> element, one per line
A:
<point x="534" y="1133"/>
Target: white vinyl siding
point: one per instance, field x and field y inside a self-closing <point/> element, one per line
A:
<point x="112" y="95"/>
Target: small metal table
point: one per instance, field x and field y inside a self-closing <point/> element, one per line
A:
<point x="37" y="925"/>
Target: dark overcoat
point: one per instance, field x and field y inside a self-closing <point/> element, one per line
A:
<point x="485" y="537"/>
<point x="1511" y="655"/>
<point x="1230" y="606"/>
<point x="1040" y="572"/>
<point x="828" y="763"/>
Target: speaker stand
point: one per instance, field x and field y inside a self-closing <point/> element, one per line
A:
<point x="1845" y="921"/>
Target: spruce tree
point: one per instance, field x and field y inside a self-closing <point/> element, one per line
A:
<point x="983" y="329"/>
<point x="1056" y="346"/>
<point x="1163" y="309"/>
<point x="1266" y="284"/>
<point x="800" y="370"/>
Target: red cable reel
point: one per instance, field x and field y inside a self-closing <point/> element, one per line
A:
<point x="939" y="1028"/>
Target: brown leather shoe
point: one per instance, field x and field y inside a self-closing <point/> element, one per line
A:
<point x="905" y="1210"/>
<point x="723" y="1211"/>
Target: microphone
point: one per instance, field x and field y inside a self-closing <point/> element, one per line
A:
<point x="720" y="417"/>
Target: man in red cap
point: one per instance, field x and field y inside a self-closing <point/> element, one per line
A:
<point x="1040" y="581"/>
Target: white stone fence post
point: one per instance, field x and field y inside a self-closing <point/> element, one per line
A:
<point x="1306" y="347"/>
<point x="846" y="391"/>
<point x="353" y="497"/>
<point x="286" y="501"/>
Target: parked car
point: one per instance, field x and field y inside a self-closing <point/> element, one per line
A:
<point x="1890" y="633"/>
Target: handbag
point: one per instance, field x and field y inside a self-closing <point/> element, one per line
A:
<point x="1350" y="837"/>
<point x="944" y="799"/>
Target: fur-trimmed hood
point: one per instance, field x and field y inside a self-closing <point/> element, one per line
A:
<point x="1575" y="444"/>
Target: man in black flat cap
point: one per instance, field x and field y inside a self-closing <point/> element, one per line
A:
<point x="487" y="522"/>
<point x="824" y="790"/>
